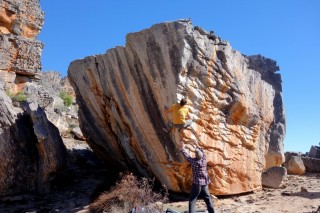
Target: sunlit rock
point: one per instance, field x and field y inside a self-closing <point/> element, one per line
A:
<point x="235" y="101"/>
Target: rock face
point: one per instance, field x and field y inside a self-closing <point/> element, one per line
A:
<point x="31" y="149"/>
<point x="235" y="101"/>
<point x="312" y="165"/>
<point x="46" y="91"/>
<point x="314" y="152"/>
<point x="296" y="166"/>
<point x="20" y="52"/>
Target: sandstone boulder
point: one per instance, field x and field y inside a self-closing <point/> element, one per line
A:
<point x="314" y="152"/>
<point x="273" y="177"/>
<point x="296" y="166"/>
<point x="31" y="149"/>
<point x="235" y="101"/>
<point x="312" y="165"/>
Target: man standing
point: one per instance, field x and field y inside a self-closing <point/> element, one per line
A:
<point x="201" y="179"/>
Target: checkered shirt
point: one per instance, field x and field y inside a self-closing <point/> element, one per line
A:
<point x="199" y="168"/>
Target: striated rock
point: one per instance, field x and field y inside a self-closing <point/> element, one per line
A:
<point x="31" y="149"/>
<point x="296" y="166"/>
<point x="273" y="177"/>
<point x="235" y="101"/>
<point x="312" y="165"/>
<point x="20" y="52"/>
<point x="314" y="152"/>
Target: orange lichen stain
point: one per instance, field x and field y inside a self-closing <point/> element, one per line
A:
<point x="29" y="32"/>
<point x="6" y="16"/>
<point x="6" y="19"/>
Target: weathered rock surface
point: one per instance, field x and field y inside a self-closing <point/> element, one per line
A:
<point x="21" y="17"/>
<point x="235" y="101"/>
<point x="31" y="149"/>
<point x="274" y="176"/>
<point x="314" y="152"/>
<point x="46" y="91"/>
<point x="312" y="165"/>
<point x="20" y="52"/>
<point x="296" y="166"/>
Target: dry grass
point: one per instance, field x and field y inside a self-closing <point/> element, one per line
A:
<point x="128" y="193"/>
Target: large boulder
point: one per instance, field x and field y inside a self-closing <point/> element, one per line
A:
<point x="274" y="176"/>
<point x="296" y="166"/>
<point x="31" y="149"/>
<point x="235" y="101"/>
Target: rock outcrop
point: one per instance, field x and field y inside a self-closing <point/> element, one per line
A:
<point x="235" y="101"/>
<point x="310" y="161"/>
<point x="314" y="152"/>
<point x="311" y="165"/>
<point x="46" y="91"/>
<point x="20" y="52"/>
<point x="31" y="149"/>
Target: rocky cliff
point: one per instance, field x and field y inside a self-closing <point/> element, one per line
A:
<point x="235" y="101"/>
<point x="31" y="149"/>
<point x="20" y="52"/>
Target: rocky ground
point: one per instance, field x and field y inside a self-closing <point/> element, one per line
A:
<point x="72" y="191"/>
<point x="84" y="181"/>
<point x="299" y="194"/>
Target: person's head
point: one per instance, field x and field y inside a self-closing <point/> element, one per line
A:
<point x="199" y="154"/>
<point x="183" y="102"/>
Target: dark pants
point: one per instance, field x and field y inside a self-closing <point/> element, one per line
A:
<point x="197" y="190"/>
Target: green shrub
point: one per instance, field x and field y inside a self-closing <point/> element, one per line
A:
<point x="20" y="97"/>
<point x="8" y="92"/>
<point x="67" y="99"/>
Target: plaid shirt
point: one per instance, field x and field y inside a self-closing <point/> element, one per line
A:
<point x="199" y="168"/>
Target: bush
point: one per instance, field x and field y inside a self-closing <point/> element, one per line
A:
<point x="67" y="99"/>
<point x="128" y="193"/>
<point x="20" y="97"/>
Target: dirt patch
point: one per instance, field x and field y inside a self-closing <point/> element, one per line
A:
<point x="299" y="194"/>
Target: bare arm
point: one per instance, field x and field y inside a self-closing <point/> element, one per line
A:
<point x="168" y="109"/>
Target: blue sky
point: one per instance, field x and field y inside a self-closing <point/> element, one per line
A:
<point x="287" y="31"/>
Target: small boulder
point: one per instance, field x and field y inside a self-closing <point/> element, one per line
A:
<point x="296" y="166"/>
<point x="273" y="177"/>
<point x="303" y="189"/>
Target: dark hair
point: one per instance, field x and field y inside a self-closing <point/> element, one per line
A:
<point x="183" y="102"/>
